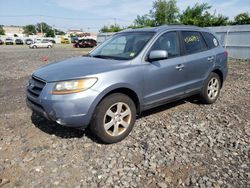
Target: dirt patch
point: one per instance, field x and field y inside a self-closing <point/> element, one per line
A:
<point x="183" y="144"/>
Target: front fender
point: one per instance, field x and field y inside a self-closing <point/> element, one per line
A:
<point x="108" y="90"/>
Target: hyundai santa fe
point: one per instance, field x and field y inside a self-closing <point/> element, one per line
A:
<point x="131" y="72"/>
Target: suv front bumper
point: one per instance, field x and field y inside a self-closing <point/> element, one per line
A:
<point x="71" y="110"/>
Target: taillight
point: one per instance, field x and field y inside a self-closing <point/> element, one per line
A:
<point x="226" y="53"/>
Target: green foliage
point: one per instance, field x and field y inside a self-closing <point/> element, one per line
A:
<point x="43" y="27"/>
<point x="167" y="12"/>
<point x="59" y="32"/>
<point x="242" y="19"/>
<point x="164" y="12"/>
<point x="50" y="33"/>
<point x="143" y="21"/>
<point x="29" y="30"/>
<point x="47" y="29"/>
<point x="111" y="28"/>
<point x="219" y="20"/>
<point x="2" y="32"/>
<point x="198" y="15"/>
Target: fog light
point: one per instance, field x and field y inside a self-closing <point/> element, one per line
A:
<point x="60" y="121"/>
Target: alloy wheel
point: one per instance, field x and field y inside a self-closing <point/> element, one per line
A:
<point x="213" y="88"/>
<point x="117" y="119"/>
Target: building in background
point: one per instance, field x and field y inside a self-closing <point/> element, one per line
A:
<point x="12" y="31"/>
<point x="81" y="34"/>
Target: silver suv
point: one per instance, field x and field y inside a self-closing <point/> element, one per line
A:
<point x="133" y="71"/>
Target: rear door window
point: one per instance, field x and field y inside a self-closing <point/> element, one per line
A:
<point x="211" y="40"/>
<point x="193" y="42"/>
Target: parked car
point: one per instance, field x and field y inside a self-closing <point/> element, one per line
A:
<point x="74" y="39"/>
<point x="101" y="37"/>
<point x="28" y="41"/>
<point x="9" y="41"/>
<point x="85" y="43"/>
<point x="38" y="40"/>
<point x="19" y="42"/>
<point x="42" y="44"/>
<point x="1" y="42"/>
<point x="65" y="40"/>
<point x="52" y="40"/>
<point x="133" y="71"/>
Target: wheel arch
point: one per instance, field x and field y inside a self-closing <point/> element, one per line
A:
<point x="220" y="74"/>
<point x="127" y="91"/>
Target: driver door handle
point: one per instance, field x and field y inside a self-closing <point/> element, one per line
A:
<point x="179" y="67"/>
<point x="210" y="59"/>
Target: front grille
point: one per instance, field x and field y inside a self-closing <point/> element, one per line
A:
<point x="35" y="87"/>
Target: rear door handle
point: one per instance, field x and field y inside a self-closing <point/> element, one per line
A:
<point x="179" y="67"/>
<point x="210" y="58"/>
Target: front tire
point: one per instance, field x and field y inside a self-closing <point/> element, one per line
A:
<point x="211" y="89"/>
<point x="114" y="118"/>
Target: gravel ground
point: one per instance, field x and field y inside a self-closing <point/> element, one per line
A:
<point x="183" y="144"/>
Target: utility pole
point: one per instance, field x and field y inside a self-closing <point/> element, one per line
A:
<point x="41" y="24"/>
<point x="54" y="30"/>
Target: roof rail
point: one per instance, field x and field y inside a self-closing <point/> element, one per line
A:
<point x="176" y="24"/>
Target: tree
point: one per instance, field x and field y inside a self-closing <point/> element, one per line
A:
<point x="29" y="30"/>
<point x="111" y="28"/>
<point x="43" y="27"/>
<point x="165" y="12"/>
<point x="242" y="18"/>
<point x="50" y="33"/>
<point x="59" y="32"/>
<point x="143" y="21"/>
<point x="198" y="15"/>
<point x="219" y="20"/>
<point x="2" y="32"/>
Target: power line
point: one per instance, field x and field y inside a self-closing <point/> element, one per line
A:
<point x="62" y="18"/>
<point x="41" y="17"/>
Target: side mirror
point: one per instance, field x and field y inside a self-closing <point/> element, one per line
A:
<point x="157" y="55"/>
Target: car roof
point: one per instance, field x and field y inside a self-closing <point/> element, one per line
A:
<point x="165" y="28"/>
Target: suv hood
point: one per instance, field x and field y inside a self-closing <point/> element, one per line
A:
<point x="79" y="67"/>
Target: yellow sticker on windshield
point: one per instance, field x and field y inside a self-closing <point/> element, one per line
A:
<point x="132" y="54"/>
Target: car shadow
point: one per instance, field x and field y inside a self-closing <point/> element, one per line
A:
<point x="161" y="108"/>
<point x="53" y="128"/>
<point x="192" y="99"/>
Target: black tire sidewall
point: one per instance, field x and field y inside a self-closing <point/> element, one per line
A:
<point x="204" y="95"/>
<point x="97" y="126"/>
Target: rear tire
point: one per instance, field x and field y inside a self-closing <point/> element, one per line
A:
<point x="114" y="118"/>
<point x="211" y="89"/>
<point x="34" y="46"/>
<point x="49" y="46"/>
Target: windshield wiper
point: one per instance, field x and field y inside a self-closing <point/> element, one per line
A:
<point x="103" y="56"/>
<point x="109" y="57"/>
<point x="87" y="55"/>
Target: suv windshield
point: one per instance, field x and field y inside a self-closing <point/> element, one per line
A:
<point x="123" y="46"/>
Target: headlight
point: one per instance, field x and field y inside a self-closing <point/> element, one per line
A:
<point x="73" y="86"/>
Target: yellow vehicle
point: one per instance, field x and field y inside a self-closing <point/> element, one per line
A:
<point x="65" y="40"/>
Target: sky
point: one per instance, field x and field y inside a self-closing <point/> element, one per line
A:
<point x="91" y="15"/>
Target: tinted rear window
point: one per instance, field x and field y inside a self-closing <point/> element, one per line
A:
<point x="193" y="42"/>
<point x="211" y="40"/>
